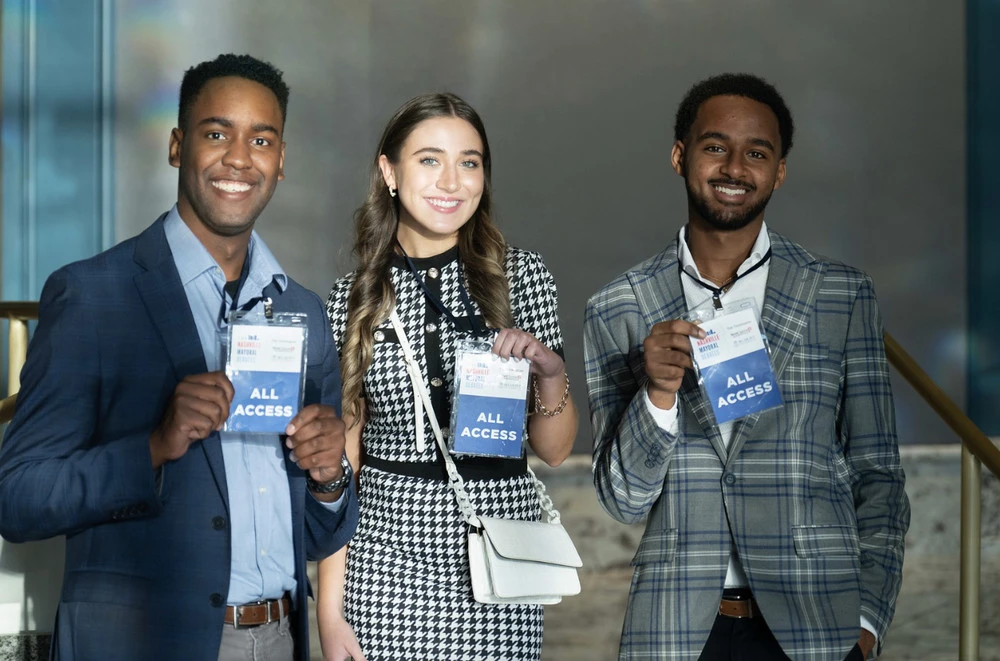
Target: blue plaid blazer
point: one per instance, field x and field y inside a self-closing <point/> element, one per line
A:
<point x="810" y="494"/>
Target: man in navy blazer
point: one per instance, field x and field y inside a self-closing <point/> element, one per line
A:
<point x="182" y="541"/>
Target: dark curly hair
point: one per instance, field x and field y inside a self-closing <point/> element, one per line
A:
<point x="241" y="66"/>
<point x="734" y="84"/>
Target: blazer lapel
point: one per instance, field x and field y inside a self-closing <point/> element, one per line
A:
<point x="166" y="303"/>
<point x="660" y="297"/>
<point x="793" y="279"/>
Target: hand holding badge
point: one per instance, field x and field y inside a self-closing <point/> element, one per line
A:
<point x="265" y="360"/>
<point x="732" y="361"/>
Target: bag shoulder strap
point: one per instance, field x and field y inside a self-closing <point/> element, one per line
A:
<point x="455" y="480"/>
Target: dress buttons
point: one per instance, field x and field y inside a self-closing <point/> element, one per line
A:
<point x="378" y="335"/>
<point x="430" y="328"/>
<point x="729" y="478"/>
<point x="432" y="272"/>
<point x="437" y="382"/>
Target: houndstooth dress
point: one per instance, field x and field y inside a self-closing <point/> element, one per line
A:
<point x="408" y="593"/>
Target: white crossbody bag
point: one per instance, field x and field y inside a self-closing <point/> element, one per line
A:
<point x="511" y="561"/>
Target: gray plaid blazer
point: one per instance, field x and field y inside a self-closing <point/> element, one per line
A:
<point x="810" y="494"/>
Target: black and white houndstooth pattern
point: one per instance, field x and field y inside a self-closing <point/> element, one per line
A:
<point x="408" y="592"/>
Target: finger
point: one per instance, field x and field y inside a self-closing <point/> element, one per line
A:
<point x="307" y="414"/>
<point x="504" y="343"/>
<point x="678" y="326"/>
<point x="213" y="408"/>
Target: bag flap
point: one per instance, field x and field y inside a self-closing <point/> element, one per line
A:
<point x="536" y="541"/>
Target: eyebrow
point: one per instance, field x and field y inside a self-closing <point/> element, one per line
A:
<point x="438" y="150"/>
<point x="760" y="142"/>
<point x="222" y="121"/>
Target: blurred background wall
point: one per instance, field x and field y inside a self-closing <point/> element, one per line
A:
<point x="579" y="98"/>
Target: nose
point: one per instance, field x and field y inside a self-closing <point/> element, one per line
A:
<point x="733" y="167"/>
<point x="237" y="156"/>
<point x="448" y="180"/>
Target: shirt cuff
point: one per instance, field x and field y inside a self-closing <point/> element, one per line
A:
<point x="664" y="419"/>
<point x="870" y="628"/>
<point x="336" y="505"/>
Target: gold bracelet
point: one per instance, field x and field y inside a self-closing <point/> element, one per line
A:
<point x="540" y="408"/>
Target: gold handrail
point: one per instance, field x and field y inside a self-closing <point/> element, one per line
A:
<point x="972" y="436"/>
<point x="18" y="314"/>
<point x="977" y="449"/>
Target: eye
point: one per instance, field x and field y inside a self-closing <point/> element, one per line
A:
<point x="470" y="164"/>
<point x="427" y="160"/>
<point x="714" y="149"/>
<point x="260" y="142"/>
<point x="214" y="135"/>
<point x="758" y="155"/>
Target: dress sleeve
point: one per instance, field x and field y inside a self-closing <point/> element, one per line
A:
<point x="336" y="308"/>
<point x="533" y="297"/>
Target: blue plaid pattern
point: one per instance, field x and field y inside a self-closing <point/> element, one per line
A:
<point x="811" y="494"/>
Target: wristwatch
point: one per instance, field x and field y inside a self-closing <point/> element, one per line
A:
<point x="333" y="485"/>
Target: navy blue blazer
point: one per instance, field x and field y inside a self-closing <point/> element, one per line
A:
<point x="147" y="560"/>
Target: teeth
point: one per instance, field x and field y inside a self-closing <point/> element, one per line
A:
<point x="232" y="186"/>
<point x="730" y="191"/>
<point x="444" y="204"/>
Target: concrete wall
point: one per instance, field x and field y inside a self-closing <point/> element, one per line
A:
<point x="579" y="98"/>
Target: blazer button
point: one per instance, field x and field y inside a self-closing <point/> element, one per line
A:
<point x="216" y="599"/>
<point x="219" y="522"/>
<point x="729" y="478"/>
<point x="437" y="382"/>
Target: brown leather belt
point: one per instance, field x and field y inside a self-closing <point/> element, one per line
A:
<point x="258" y="613"/>
<point x="738" y="608"/>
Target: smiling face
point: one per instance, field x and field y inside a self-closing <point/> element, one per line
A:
<point x="230" y="157"/>
<point x="440" y="179"/>
<point x="731" y="162"/>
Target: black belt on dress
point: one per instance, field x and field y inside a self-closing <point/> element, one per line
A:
<point x="470" y="468"/>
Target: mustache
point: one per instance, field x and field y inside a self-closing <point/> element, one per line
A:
<point x="732" y="183"/>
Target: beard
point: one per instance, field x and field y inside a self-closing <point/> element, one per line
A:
<point x="723" y="219"/>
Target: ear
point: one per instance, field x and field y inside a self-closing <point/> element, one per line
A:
<point x="174" y="151"/>
<point x="677" y="157"/>
<point x="281" y="163"/>
<point x="388" y="172"/>
<point x="780" y="176"/>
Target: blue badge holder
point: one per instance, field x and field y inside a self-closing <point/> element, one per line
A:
<point x="489" y="406"/>
<point x="266" y="357"/>
<point x="733" y="362"/>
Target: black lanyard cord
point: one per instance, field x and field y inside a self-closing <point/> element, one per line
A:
<point x="478" y="327"/>
<point x="717" y="292"/>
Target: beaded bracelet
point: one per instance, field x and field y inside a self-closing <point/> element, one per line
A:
<point x="540" y="408"/>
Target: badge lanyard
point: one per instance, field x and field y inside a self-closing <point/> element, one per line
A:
<point x="717" y="292"/>
<point x="479" y="329"/>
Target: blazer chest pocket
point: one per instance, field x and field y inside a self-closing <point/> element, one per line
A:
<point x="815" y="541"/>
<point x="656" y="548"/>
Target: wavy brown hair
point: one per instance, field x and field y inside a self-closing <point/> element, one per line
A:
<point x="481" y="247"/>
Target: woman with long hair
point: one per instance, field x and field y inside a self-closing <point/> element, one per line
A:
<point x="426" y="247"/>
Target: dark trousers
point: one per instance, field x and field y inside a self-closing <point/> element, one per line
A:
<point x="748" y="639"/>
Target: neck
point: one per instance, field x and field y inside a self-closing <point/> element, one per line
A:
<point x="229" y="252"/>
<point x="417" y="244"/>
<point x="717" y="253"/>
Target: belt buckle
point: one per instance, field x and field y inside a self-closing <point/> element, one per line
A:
<point x="237" y="610"/>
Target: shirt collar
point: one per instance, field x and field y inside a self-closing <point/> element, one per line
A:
<point x="760" y="247"/>
<point x="193" y="259"/>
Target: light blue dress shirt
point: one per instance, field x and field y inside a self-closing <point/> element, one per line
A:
<point x="260" y="508"/>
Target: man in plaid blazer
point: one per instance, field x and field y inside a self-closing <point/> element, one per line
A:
<point x="778" y="535"/>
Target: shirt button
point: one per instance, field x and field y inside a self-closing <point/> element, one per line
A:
<point x="432" y="272"/>
<point x="430" y="328"/>
<point x="379" y="336"/>
<point x="437" y="382"/>
<point x="218" y="522"/>
<point x="262" y="490"/>
<point x="729" y="478"/>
